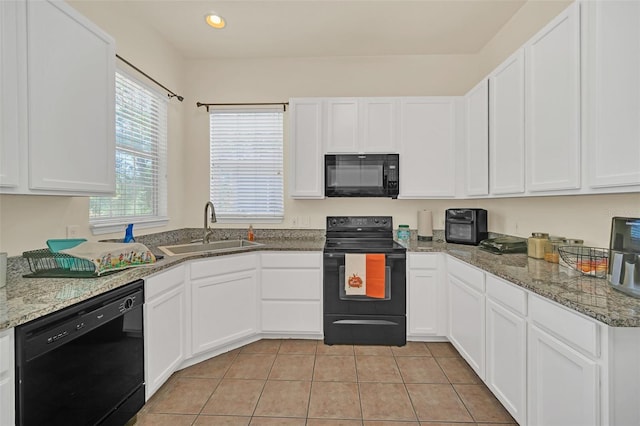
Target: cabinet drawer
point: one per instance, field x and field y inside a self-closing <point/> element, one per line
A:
<point x="423" y="261"/>
<point x="277" y="317"/>
<point x="163" y="281"/>
<point x="467" y="273"/>
<point x="292" y="260"/>
<point x="575" y="330"/>
<point x="507" y="294"/>
<point x="223" y="265"/>
<point x="293" y="284"/>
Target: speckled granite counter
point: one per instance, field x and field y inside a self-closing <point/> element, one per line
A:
<point x="25" y="299"/>
<point x="588" y="295"/>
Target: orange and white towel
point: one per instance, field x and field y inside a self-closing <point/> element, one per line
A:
<point x="365" y="275"/>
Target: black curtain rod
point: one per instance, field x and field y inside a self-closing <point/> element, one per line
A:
<point x="284" y="104"/>
<point x="171" y="94"/>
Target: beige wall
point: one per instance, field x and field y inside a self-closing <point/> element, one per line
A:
<point x="26" y="222"/>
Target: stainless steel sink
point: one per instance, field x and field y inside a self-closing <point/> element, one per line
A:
<point x="212" y="247"/>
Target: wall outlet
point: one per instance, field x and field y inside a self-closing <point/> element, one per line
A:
<point x="73" y="231"/>
<point x="294" y="221"/>
<point x="304" y="221"/>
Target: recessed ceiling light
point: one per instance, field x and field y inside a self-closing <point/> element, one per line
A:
<point x="215" y="20"/>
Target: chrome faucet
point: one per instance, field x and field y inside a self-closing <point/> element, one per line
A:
<point x="207" y="229"/>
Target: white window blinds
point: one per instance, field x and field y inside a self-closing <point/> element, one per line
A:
<point x="141" y="155"/>
<point x="247" y="165"/>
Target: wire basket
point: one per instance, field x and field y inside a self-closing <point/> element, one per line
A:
<point x="46" y="264"/>
<point x="591" y="261"/>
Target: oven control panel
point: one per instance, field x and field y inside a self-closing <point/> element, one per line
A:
<point x="351" y="223"/>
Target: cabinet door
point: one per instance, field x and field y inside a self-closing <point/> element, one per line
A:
<point x="563" y="385"/>
<point x="466" y="323"/>
<point x="165" y="329"/>
<point x="422" y="302"/>
<point x="71" y="80"/>
<point x="506" y="359"/>
<point x="553" y="104"/>
<point x="612" y="92"/>
<point x="10" y="61"/>
<point x="506" y="128"/>
<point x="477" y="140"/>
<point x="342" y="125"/>
<point x="427" y="147"/>
<point x="223" y="308"/>
<point x="379" y="125"/>
<point x="307" y="161"/>
<point x="7" y="381"/>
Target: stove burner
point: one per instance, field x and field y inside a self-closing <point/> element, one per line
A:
<point x="361" y="234"/>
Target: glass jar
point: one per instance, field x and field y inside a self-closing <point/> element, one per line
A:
<point x="535" y="244"/>
<point x="403" y="235"/>
<point x="552" y="249"/>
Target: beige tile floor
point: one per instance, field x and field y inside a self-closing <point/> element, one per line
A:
<point x="304" y="382"/>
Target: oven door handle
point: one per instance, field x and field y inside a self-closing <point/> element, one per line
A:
<point x="340" y="255"/>
<point x="365" y="322"/>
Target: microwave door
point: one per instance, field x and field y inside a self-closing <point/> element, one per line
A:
<point x="355" y="177"/>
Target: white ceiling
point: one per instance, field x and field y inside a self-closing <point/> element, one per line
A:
<point x="316" y="28"/>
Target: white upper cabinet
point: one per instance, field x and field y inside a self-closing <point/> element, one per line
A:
<point x="71" y="80"/>
<point x="307" y="161"/>
<point x="506" y="126"/>
<point x="612" y="92"/>
<point x="379" y="125"/>
<point x="10" y="68"/>
<point x="553" y="104"/>
<point x="361" y="125"/>
<point x="477" y="140"/>
<point x="427" y="147"/>
<point x="66" y="81"/>
<point x="342" y="125"/>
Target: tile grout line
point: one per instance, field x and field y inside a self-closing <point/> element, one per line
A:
<point x="313" y="370"/>
<point x="404" y="384"/>
<point x="217" y="385"/>
<point x="253" y="413"/>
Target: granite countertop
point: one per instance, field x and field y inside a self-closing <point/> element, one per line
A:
<point x="588" y="295"/>
<point x="25" y="299"/>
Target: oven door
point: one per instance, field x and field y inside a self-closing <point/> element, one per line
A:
<point x="337" y="302"/>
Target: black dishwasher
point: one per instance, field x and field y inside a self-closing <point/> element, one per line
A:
<point x="83" y="365"/>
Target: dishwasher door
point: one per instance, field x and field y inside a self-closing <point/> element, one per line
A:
<point x="83" y="365"/>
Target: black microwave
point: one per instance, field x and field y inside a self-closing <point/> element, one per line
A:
<point x="465" y="226"/>
<point x="361" y="175"/>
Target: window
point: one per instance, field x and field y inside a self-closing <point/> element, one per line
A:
<point x="141" y="156"/>
<point x="246" y="165"/>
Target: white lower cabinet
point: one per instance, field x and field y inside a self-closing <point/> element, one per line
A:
<point x="7" y="378"/>
<point x="563" y="366"/>
<point x="223" y="301"/>
<point x="467" y="313"/>
<point x="291" y="293"/>
<point x="545" y="363"/>
<point x="506" y="344"/>
<point x="563" y="384"/>
<point x="426" y="297"/>
<point x="165" y="326"/>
